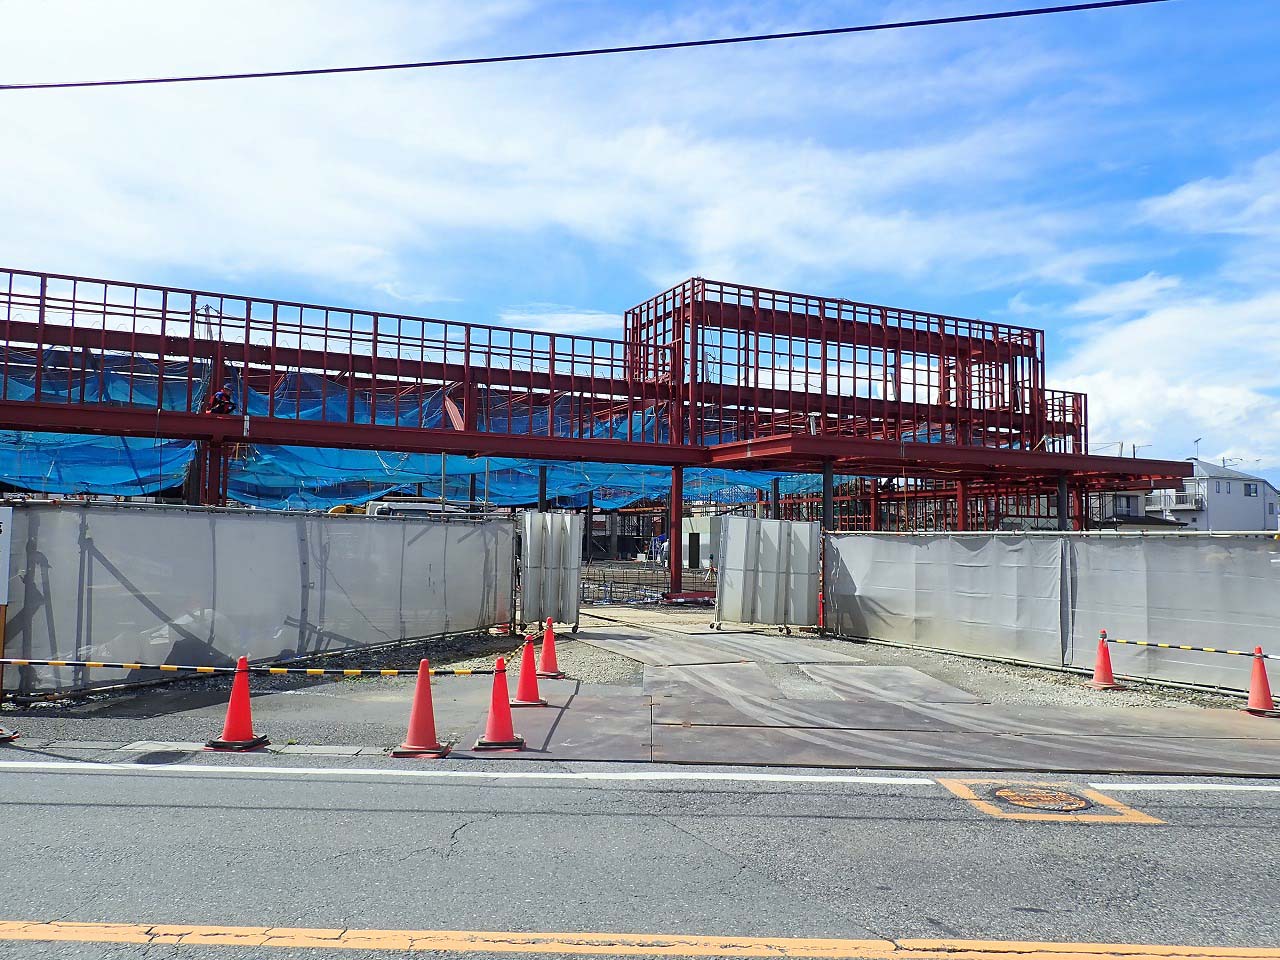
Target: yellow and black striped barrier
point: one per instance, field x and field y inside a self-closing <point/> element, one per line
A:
<point x="1183" y="646"/>
<point x="305" y="671"/>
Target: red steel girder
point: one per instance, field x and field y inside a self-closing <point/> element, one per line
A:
<point x="854" y="455"/>
<point x="782" y="323"/>
<point x="384" y="370"/>
<point x="177" y="425"/>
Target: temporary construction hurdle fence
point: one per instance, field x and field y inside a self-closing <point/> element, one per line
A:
<point x="1042" y="598"/>
<point x="768" y="572"/>
<point x="551" y="567"/>
<point x="238" y="730"/>
<point x="126" y="583"/>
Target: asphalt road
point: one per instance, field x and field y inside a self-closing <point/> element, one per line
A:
<point x="281" y="842"/>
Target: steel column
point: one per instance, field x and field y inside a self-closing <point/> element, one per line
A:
<point x="542" y="488"/>
<point x="828" y="496"/>
<point x="675" y="531"/>
<point x="962" y="506"/>
<point x="1064" y="506"/>
<point x="777" y="499"/>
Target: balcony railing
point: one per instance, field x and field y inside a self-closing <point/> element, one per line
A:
<point x="1175" y="501"/>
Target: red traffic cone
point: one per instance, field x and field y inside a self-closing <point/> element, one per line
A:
<point x="1103" y="679"/>
<point x="7" y="735"/>
<point x="237" y="731"/>
<point x="498" y="731"/>
<point x="1260" y="702"/>
<point x="547" y="666"/>
<point x="421" y="740"/>
<point x="527" y="689"/>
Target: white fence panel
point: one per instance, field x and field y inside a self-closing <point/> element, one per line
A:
<point x="998" y="596"/>
<point x="768" y="571"/>
<point x="1202" y="591"/>
<point x="1044" y="598"/>
<point x="201" y="587"/>
<point x="551" y="566"/>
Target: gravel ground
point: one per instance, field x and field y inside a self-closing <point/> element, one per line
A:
<point x="1028" y="686"/>
<point x="471" y="651"/>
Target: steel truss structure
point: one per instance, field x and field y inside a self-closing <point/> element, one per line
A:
<point x="707" y="374"/>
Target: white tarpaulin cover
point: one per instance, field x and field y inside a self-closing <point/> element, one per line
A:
<point x="989" y="595"/>
<point x="202" y="587"/>
<point x="551" y="566"/>
<point x="768" y="571"/>
<point x="1003" y="595"/>
<point x="1219" y="591"/>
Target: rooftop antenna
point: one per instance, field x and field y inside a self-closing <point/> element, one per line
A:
<point x="1196" y="441"/>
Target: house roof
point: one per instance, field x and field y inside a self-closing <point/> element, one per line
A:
<point x="1215" y="471"/>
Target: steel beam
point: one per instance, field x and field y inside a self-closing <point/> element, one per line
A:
<point x="857" y="455"/>
<point x="177" y="425"/>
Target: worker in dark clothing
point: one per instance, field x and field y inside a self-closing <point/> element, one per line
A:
<point x="223" y="401"/>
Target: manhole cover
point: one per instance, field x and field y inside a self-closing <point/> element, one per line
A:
<point x="1042" y="798"/>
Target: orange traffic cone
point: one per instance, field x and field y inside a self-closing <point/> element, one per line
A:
<point x="237" y="731"/>
<point x="547" y="666"/>
<point x="421" y="740"/>
<point x="1103" y="679"/>
<point x="527" y="688"/>
<point x="1260" y="702"/>
<point x="498" y="732"/>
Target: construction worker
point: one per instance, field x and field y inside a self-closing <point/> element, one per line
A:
<point x="223" y="401"/>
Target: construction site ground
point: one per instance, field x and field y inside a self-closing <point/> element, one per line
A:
<point x="659" y="684"/>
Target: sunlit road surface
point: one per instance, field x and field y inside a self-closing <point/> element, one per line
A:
<point x="256" y="856"/>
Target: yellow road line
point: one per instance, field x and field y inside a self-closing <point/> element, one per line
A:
<point x="608" y="944"/>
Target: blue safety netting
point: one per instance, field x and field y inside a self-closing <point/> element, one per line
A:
<point x="271" y="476"/>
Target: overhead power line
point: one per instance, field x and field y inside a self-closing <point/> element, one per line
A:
<point x="593" y="52"/>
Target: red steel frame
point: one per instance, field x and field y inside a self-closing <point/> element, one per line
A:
<point x="753" y="363"/>
<point x="725" y="375"/>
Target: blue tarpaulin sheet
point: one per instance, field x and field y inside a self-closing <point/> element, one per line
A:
<point x="313" y="478"/>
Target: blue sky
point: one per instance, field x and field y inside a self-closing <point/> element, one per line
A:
<point x="1111" y="177"/>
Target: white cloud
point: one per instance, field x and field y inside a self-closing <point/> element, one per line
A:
<point x="1188" y="367"/>
<point x="1129" y="297"/>
<point x="363" y="179"/>
<point x="1246" y="204"/>
<point x="557" y="318"/>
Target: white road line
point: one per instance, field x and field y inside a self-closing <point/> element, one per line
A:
<point x="1175" y="787"/>
<point x="619" y="776"/>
